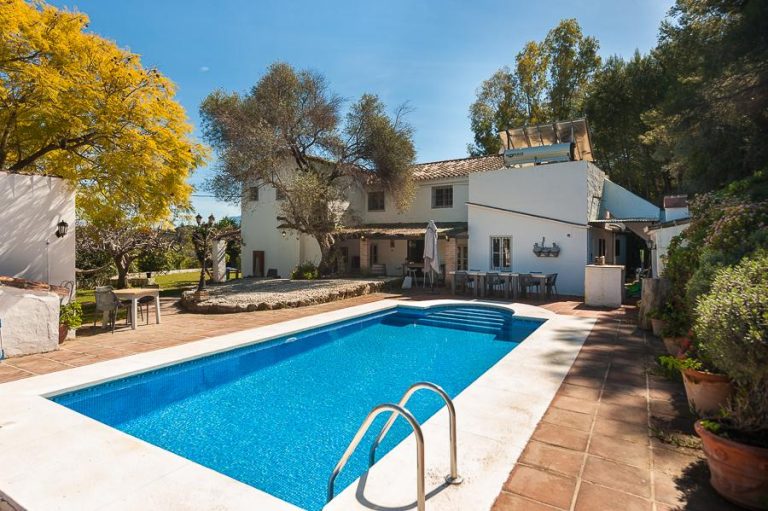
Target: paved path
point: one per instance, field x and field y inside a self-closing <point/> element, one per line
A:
<point x="597" y="447"/>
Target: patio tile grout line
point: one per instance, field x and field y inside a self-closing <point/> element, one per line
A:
<point x="579" y="478"/>
<point x="651" y="478"/>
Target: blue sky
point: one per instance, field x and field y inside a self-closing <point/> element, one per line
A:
<point x="432" y="54"/>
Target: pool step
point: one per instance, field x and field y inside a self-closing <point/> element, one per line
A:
<point x="460" y="326"/>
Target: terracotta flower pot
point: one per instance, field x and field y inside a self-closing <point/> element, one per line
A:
<point x="707" y="392"/>
<point x="657" y="326"/>
<point x="739" y="471"/>
<point x="63" y="332"/>
<point x="674" y="345"/>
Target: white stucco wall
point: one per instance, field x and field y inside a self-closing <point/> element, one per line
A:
<point x="29" y="248"/>
<point x="421" y="208"/>
<point x="561" y="192"/>
<point x="621" y="203"/>
<point x="525" y="231"/>
<point x="556" y="191"/>
<point x="661" y="239"/>
<point x="30" y="321"/>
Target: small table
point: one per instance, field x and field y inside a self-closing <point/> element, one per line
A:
<point x="133" y="294"/>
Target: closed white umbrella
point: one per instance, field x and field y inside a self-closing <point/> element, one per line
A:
<point x="431" y="262"/>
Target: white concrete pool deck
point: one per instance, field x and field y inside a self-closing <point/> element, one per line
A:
<point x="55" y="459"/>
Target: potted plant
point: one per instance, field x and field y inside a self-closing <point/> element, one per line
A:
<point x="657" y="323"/>
<point x="675" y="333"/>
<point x="70" y="318"/>
<point x="732" y="328"/>
<point x="706" y="389"/>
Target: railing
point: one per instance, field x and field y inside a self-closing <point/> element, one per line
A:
<point x="453" y="477"/>
<point x="395" y="409"/>
<point x="399" y="409"/>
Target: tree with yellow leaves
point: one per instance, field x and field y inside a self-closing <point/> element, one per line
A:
<point x="75" y="105"/>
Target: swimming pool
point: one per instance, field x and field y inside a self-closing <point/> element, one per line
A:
<point x="277" y="415"/>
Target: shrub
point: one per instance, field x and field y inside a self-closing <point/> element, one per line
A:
<point x="732" y="331"/>
<point x="305" y="271"/>
<point x="71" y="315"/>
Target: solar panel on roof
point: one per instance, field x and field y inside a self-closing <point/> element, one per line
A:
<point x="575" y="131"/>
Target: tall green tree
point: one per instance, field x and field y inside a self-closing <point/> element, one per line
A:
<point x="290" y="117"/>
<point x="549" y="82"/>
<point x="620" y="95"/>
<point x="712" y="123"/>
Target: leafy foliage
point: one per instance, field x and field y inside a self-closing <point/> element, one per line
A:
<point x="287" y="132"/>
<point x="75" y="105"/>
<point x="549" y="83"/>
<point x="732" y="326"/>
<point x="71" y="315"/>
<point x="122" y="244"/>
<point x="305" y="271"/>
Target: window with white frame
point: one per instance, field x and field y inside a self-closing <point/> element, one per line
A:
<point x="253" y="193"/>
<point x="442" y="197"/>
<point x="279" y="194"/>
<point x="462" y="257"/>
<point x="376" y="201"/>
<point x="600" y="247"/>
<point x="501" y="253"/>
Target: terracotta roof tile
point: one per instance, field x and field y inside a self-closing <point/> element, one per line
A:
<point x="456" y="168"/>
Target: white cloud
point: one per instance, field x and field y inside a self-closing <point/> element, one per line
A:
<point x="205" y="69"/>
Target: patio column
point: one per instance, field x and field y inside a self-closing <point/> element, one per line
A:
<point x="450" y="259"/>
<point x="365" y="257"/>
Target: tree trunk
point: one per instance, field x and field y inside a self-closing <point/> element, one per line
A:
<point x="327" y="253"/>
<point x="122" y="266"/>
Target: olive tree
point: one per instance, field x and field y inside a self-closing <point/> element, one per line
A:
<point x="290" y="117"/>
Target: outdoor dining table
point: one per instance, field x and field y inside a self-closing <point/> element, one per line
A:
<point x="134" y="294"/>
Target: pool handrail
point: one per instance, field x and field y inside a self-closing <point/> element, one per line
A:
<point x="396" y="410"/>
<point x="453" y="477"/>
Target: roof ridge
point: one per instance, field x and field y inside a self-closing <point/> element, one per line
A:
<point x="458" y="159"/>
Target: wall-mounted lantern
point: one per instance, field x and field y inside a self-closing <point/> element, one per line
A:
<point x="61" y="229"/>
<point x="285" y="234"/>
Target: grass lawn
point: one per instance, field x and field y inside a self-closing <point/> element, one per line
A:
<point x="170" y="285"/>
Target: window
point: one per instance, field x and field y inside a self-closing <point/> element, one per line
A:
<point x="374" y="254"/>
<point x="618" y="248"/>
<point x="462" y="258"/>
<point x="253" y="193"/>
<point x="501" y="253"/>
<point x="279" y="194"/>
<point x="375" y="201"/>
<point x="442" y="197"/>
<point x="600" y="247"/>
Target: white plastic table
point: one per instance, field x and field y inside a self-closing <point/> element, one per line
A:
<point x="133" y="294"/>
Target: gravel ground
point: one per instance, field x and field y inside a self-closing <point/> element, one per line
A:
<point x="255" y="294"/>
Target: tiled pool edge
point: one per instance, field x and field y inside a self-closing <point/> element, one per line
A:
<point x="59" y="459"/>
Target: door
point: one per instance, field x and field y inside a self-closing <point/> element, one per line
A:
<point x="258" y="263"/>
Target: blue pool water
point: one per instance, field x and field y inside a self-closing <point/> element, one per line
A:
<point x="278" y="415"/>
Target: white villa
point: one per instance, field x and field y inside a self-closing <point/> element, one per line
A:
<point x="491" y="211"/>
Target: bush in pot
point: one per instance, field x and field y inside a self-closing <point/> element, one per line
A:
<point x="707" y="389"/>
<point x="657" y="322"/>
<point x="70" y="318"/>
<point x="675" y="333"/>
<point x="732" y="329"/>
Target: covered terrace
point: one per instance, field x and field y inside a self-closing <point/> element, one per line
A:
<point x="391" y="248"/>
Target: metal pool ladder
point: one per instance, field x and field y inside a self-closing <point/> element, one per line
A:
<point x="399" y="409"/>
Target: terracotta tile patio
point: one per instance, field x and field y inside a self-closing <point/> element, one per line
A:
<point x="596" y="448"/>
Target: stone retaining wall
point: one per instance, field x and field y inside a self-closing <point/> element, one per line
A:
<point x="190" y="303"/>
